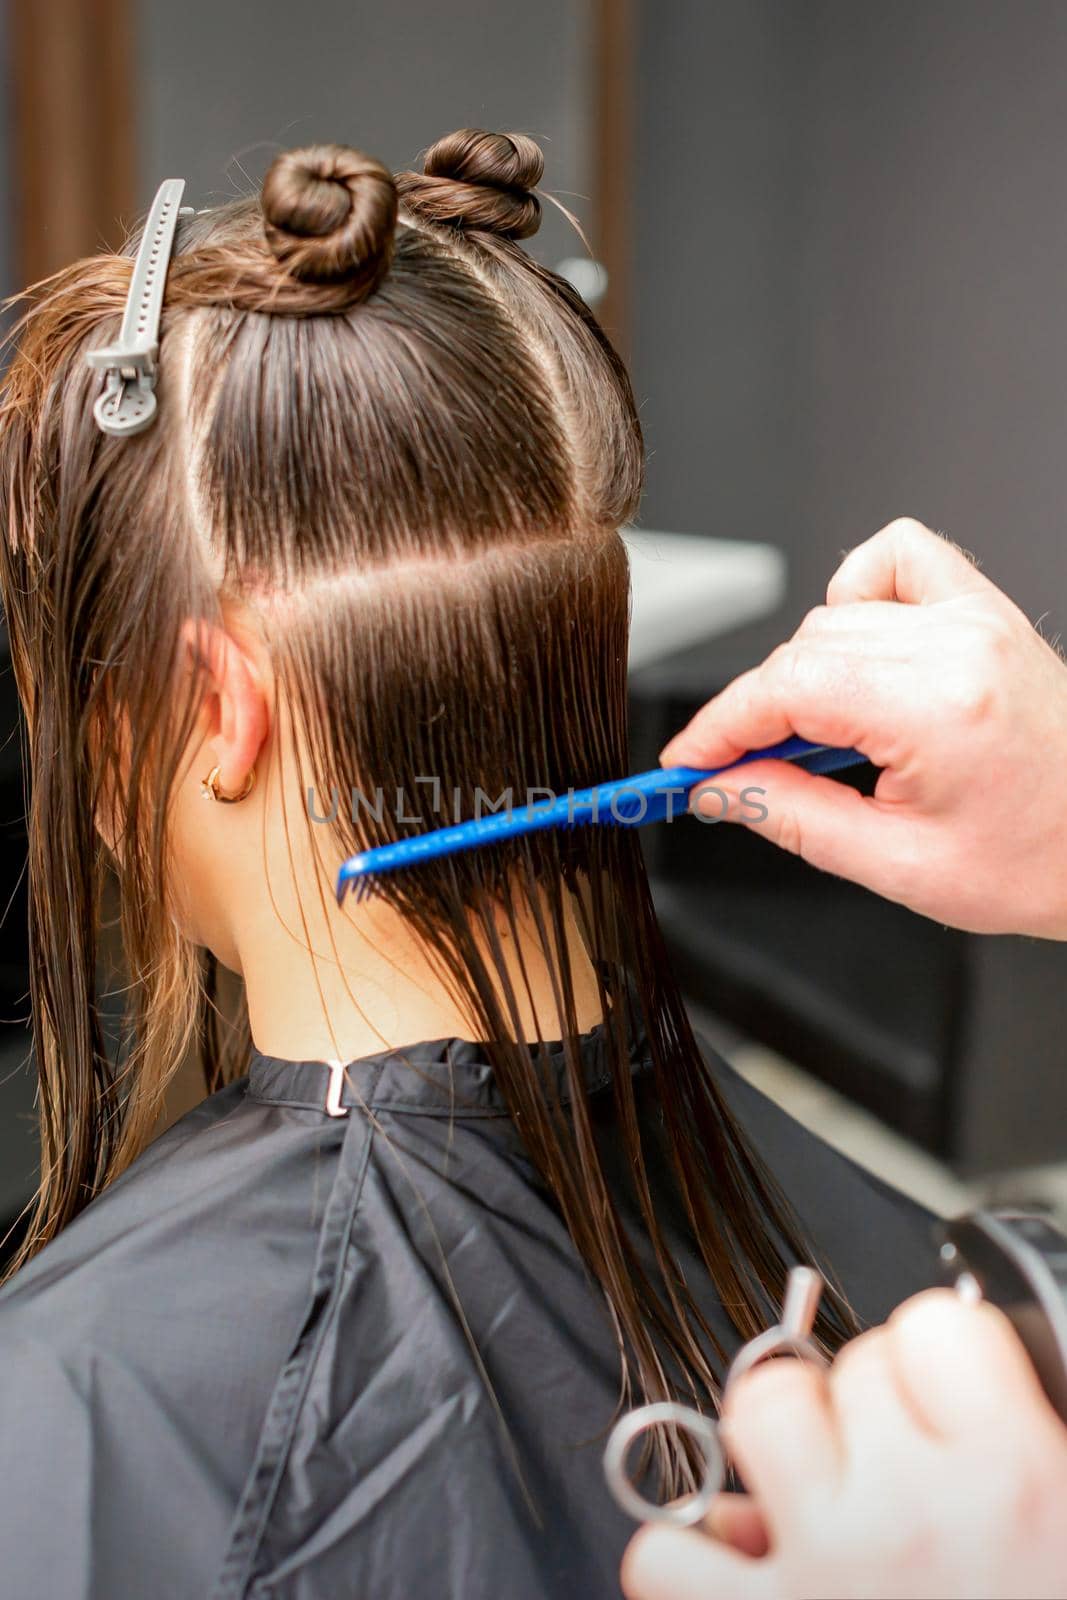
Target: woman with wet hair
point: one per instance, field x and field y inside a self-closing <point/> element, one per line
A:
<point x="462" y="1182"/>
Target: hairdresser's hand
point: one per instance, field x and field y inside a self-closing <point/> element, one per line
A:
<point x="927" y="1465"/>
<point x="925" y="666"/>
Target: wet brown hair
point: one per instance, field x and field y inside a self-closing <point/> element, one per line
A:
<point x="410" y="448"/>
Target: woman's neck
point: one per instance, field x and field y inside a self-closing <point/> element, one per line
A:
<point x="351" y="984"/>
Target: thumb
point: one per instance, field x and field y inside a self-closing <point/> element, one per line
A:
<point x="824" y="822"/>
<point x="736" y="1520"/>
<point x="663" y="1563"/>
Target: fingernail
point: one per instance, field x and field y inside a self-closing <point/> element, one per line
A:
<point x="712" y="803"/>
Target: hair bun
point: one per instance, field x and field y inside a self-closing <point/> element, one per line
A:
<point x="329" y="214"/>
<point x="474" y="179"/>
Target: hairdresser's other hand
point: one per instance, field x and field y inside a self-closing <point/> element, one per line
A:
<point x="927" y="1465"/>
<point x="924" y="665"/>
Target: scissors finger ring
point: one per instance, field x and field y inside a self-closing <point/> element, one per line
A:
<point x="630" y="1427"/>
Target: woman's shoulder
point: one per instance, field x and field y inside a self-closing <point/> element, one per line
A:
<point x="151" y="1331"/>
<point x="182" y="1231"/>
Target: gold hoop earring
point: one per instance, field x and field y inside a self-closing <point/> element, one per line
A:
<point x="209" y="788"/>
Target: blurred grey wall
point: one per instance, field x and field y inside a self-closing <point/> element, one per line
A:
<point x="225" y="84"/>
<point x="851" y="277"/>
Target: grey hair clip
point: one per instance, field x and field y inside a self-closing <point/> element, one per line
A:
<point x="128" y="402"/>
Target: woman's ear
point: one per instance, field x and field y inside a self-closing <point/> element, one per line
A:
<point x="236" y="702"/>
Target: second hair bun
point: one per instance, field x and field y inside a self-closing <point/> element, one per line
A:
<point x="475" y="179"/>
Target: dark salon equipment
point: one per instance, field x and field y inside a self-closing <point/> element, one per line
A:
<point x="1017" y="1260"/>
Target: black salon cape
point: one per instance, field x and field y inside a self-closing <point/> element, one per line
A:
<point x="350" y="1358"/>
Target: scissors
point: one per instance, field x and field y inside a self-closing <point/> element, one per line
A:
<point x="789" y="1337"/>
<point x="1016" y="1259"/>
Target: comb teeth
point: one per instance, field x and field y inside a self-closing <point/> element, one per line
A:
<point x="359" y="888"/>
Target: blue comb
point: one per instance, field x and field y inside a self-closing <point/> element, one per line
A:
<point x="626" y="803"/>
